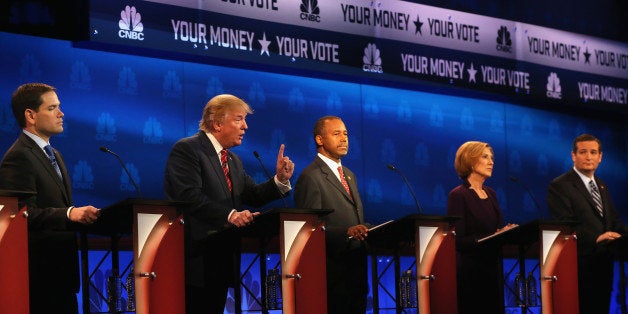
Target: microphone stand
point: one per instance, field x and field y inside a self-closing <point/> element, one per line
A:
<point x="416" y="201"/>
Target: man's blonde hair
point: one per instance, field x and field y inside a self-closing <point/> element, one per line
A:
<point x="217" y="108"/>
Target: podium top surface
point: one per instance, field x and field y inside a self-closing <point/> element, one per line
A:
<point x="267" y="223"/>
<point x="526" y="233"/>
<point x="130" y="202"/>
<point x="117" y="218"/>
<point x="18" y="194"/>
<point x="403" y="229"/>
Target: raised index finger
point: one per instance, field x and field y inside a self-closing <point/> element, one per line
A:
<point x="280" y="154"/>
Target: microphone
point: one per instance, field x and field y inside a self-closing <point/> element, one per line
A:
<point x="538" y="207"/>
<point x="107" y="150"/>
<point x="393" y="168"/>
<point x="283" y="200"/>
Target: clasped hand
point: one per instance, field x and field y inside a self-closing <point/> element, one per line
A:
<point x="608" y="236"/>
<point x="85" y="215"/>
<point x="242" y="218"/>
<point x="359" y="232"/>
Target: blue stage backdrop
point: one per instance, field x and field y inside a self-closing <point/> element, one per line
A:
<point x="139" y="106"/>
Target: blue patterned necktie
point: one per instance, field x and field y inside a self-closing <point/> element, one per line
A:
<point x="53" y="159"/>
<point x="597" y="199"/>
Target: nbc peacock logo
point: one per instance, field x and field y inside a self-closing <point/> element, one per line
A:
<point x="130" y="24"/>
<point x="372" y="59"/>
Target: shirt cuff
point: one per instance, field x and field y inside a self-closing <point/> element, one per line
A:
<point x="67" y="213"/>
<point x="230" y="213"/>
<point x="283" y="187"/>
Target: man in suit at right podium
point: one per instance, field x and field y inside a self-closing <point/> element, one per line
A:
<point x="327" y="184"/>
<point x="584" y="198"/>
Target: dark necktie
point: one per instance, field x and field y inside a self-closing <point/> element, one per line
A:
<point x="344" y="182"/>
<point x="53" y="159"/>
<point x="597" y="199"/>
<point x="225" y="169"/>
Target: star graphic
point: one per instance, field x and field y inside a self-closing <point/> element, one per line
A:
<point x="264" y="43"/>
<point x="472" y="72"/>
<point x="418" y="24"/>
<point x="587" y="56"/>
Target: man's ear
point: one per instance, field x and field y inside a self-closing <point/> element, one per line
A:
<point x="319" y="140"/>
<point x="216" y="125"/>
<point x="29" y="115"/>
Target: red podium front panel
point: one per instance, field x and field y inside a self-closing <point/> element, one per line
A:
<point x="436" y="258"/>
<point x="14" y="295"/>
<point x="559" y="271"/>
<point x="431" y="240"/>
<point x="302" y="253"/>
<point x="557" y="259"/>
<point x="158" y="260"/>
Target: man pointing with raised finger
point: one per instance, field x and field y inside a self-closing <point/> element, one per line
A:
<point x="202" y="170"/>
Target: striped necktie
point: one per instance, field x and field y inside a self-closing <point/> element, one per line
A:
<point x="53" y="159"/>
<point x="597" y="199"/>
<point x="225" y="169"/>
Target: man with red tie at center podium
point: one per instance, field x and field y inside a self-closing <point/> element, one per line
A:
<point x="200" y="170"/>
<point x="327" y="184"/>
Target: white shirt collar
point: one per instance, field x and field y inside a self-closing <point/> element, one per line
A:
<point x="585" y="179"/>
<point x="40" y="142"/>
<point x="215" y="142"/>
<point x="331" y="164"/>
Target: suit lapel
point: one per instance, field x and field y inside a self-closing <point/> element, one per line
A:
<point x="330" y="176"/>
<point x="208" y="150"/>
<point x="65" y="176"/>
<point x="604" y="195"/>
<point x="45" y="163"/>
<point x="579" y="185"/>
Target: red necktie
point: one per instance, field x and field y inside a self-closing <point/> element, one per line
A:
<point x="344" y="182"/>
<point x="225" y="169"/>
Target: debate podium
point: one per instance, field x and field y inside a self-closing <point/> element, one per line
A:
<point x="619" y="249"/>
<point x="14" y="293"/>
<point x="300" y="235"/>
<point x="431" y="240"/>
<point x="156" y="227"/>
<point x="557" y="259"/>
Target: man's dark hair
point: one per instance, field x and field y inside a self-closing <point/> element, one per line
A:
<point x="28" y="96"/>
<point x="585" y="138"/>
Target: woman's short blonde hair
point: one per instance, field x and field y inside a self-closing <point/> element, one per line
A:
<point x="467" y="155"/>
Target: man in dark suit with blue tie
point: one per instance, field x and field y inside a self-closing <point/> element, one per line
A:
<point x="327" y="184"/>
<point x="201" y="170"/>
<point x="583" y="198"/>
<point x="31" y="164"/>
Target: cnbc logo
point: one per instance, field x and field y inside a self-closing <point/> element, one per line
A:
<point x="130" y="24"/>
<point x="372" y="59"/>
<point x="504" y="43"/>
<point x="310" y="11"/>
<point x="553" y="86"/>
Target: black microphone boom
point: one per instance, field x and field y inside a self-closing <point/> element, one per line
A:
<point x="418" y="206"/>
<point x="525" y="187"/>
<point x="283" y="200"/>
<point x="107" y="150"/>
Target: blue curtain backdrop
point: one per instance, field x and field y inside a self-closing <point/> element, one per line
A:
<point x="139" y="106"/>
